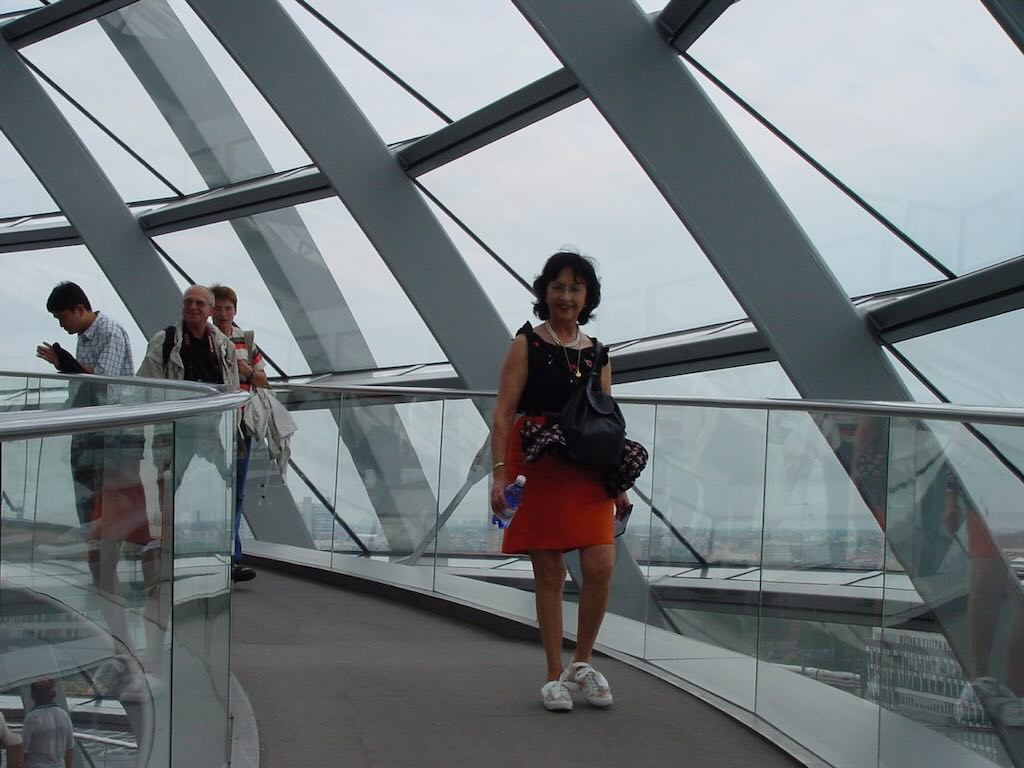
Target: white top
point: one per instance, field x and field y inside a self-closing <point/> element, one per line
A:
<point x="8" y="738"/>
<point x="48" y="736"/>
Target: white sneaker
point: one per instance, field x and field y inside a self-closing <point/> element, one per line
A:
<point x="588" y="681"/>
<point x="556" y="696"/>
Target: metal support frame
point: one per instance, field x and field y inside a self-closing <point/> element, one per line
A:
<point x="1010" y="15"/>
<point x="526" y="106"/>
<point x="56" y="18"/>
<point x="709" y="179"/>
<point x="73" y="178"/>
<point x="367" y="178"/>
<point x="683" y="21"/>
<point x="979" y="295"/>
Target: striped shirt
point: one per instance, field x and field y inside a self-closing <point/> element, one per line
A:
<point x="242" y="354"/>
<point x="104" y="347"/>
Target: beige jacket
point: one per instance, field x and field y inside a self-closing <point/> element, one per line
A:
<point x="153" y="364"/>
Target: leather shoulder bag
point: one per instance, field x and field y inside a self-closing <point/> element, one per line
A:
<point x="593" y="425"/>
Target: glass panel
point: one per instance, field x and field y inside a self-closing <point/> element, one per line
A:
<point x="760" y="380"/>
<point x="273" y="143"/>
<point x="864" y="256"/>
<point x="969" y="365"/>
<point x="314" y="479"/>
<point x="951" y="646"/>
<point x="233" y="266"/>
<point x="201" y="473"/>
<point x="131" y="179"/>
<point x="511" y="298"/>
<point x="21" y="193"/>
<point x="820" y="533"/>
<point x="86" y="590"/>
<point x="28" y="279"/>
<point x="709" y="485"/>
<point x="459" y="54"/>
<point x="117" y="98"/>
<point x="395" y="114"/>
<point x="386" y="318"/>
<point x="913" y="105"/>
<point x="569" y="177"/>
<point x="11" y="6"/>
<point x="388" y="475"/>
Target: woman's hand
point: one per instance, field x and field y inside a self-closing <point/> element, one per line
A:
<point x="498" y="484"/>
<point x="621" y="502"/>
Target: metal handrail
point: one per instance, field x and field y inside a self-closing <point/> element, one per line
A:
<point x="209" y="399"/>
<point x="931" y="411"/>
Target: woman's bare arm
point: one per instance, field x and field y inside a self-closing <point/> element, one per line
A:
<point x="510" y="389"/>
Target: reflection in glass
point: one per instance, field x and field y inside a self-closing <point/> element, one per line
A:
<point x="200" y="469"/>
<point x="708" y="473"/>
<point x="820" y="531"/>
<point x="388" y="472"/>
<point x="86" y="591"/>
<point x="954" y="527"/>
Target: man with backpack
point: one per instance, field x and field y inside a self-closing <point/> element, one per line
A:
<point x="192" y="349"/>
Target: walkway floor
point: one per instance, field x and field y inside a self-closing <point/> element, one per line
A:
<point x="340" y="679"/>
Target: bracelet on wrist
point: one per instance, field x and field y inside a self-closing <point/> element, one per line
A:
<point x="497" y="466"/>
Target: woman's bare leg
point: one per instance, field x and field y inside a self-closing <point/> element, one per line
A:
<point x="597" y="564"/>
<point x="548" y="581"/>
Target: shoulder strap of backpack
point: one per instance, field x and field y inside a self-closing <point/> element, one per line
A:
<point x="595" y="379"/>
<point x="250" y="344"/>
<point x="170" y="336"/>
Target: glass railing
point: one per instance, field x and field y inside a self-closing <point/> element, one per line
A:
<point x="845" y="572"/>
<point x="115" y="531"/>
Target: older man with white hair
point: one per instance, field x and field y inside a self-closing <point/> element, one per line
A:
<point x="192" y="349"/>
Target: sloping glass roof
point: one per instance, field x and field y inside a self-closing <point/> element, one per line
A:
<point x="913" y="107"/>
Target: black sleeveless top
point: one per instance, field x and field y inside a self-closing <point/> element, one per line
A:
<point x="550" y="378"/>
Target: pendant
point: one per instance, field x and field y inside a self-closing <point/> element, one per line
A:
<point x="578" y="374"/>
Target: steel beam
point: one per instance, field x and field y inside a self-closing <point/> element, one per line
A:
<point x="58" y="17"/>
<point x="717" y="190"/>
<point x="51" y="148"/>
<point x="985" y="293"/>
<point x="683" y="21"/>
<point x="380" y="196"/>
<point x="1010" y="15"/>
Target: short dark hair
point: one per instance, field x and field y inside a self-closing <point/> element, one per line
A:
<point x="67" y="295"/>
<point x="582" y="269"/>
<point x="223" y="293"/>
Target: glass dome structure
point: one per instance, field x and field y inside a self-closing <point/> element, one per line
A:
<point x="784" y="198"/>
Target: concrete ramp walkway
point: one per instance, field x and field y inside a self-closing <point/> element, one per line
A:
<point x="340" y="679"/>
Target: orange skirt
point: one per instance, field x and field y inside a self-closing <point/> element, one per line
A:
<point x="564" y="506"/>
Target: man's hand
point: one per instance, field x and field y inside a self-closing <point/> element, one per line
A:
<point x="45" y="352"/>
<point x="244" y="370"/>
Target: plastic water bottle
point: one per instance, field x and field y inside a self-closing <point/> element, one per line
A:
<point x="513" y="496"/>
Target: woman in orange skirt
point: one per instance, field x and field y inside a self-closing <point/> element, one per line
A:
<point x="565" y="506"/>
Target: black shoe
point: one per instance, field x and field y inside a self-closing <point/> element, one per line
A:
<point x="242" y="573"/>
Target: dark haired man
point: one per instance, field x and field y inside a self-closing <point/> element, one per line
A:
<point x="103" y="349"/>
<point x="103" y="346"/>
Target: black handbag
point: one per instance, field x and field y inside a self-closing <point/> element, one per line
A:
<point x="593" y="425"/>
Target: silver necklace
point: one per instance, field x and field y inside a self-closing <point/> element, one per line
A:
<point x="558" y="341"/>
